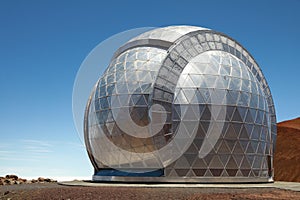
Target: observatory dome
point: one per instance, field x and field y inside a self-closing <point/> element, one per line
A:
<point x="181" y="104"/>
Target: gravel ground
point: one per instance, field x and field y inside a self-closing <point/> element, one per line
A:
<point x="55" y="191"/>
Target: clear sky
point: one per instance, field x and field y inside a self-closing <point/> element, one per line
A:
<point x="43" y="43"/>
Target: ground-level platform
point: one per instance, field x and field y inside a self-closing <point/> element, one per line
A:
<point x="278" y="184"/>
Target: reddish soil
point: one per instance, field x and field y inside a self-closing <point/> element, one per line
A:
<point x="293" y="123"/>
<point x="287" y="152"/>
<point x="54" y="191"/>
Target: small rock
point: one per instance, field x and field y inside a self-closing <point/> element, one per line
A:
<point x="7" y="182"/>
<point x="33" y="181"/>
<point x="41" y="179"/>
<point x="48" y="180"/>
<point x="22" y="180"/>
<point x="14" y="177"/>
<point x="6" y="192"/>
<point x="17" y="182"/>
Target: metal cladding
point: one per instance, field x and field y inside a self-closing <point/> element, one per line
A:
<point x="181" y="104"/>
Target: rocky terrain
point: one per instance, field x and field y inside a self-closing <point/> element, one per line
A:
<point x="287" y="152"/>
<point x="52" y="191"/>
<point x="13" y="179"/>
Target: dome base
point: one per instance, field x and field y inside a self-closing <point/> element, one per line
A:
<point x="148" y="179"/>
<point x="128" y="173"/>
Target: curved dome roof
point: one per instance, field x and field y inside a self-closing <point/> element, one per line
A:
<point x="169" y="33"/>
<point x="158" y="37"/>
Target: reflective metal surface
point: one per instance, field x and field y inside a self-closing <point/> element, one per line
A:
<point x="197" y="106"/>
<point x="181" y="179"/>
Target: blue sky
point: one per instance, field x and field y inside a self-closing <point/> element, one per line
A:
<point x="43" y="43"/>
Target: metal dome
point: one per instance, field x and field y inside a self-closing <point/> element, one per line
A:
<point x="181" y="104"/>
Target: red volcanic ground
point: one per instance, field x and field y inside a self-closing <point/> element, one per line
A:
<point x="287" y="152"/>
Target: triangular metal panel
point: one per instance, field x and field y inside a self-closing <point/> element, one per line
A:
<point x="199" y="164"/>
<point x="238" y="149"/>
<point x="224" y="158"/>
<point x="190" y="127"/>
<point x="251" y="174"/>
<point x="216" y="163"/>
<point x="190" y="115"/>
<point x="173" y="173"/>
<point x="198" y="98"/>
<point x="188" y="83"/>
<point x="237" y="127"/>
<point x="244" y="144"/>
<point x="250" y="158"/>
<point x="224" y="174"/>
<point x="243" y="112"/>
<point x="197" y="79"/>
<point x="250" y="149"/>
<point x="224" y="148"/>
<point x="231" y="172"/>
<point x="216" y="172"/>
<point x="191" y="157"/>
<point x="210" y="81"/>
<point x="192" y="149"/>
<point x="254" y="145"/>
<point x="220" y="83"/>
<point x="189" y="94"/>
<point x="231" y="164"/>
<point x="253" y="114"/>
<point x="190" y="173"/>
<point x="182" y="163"/>
<point x="249" y="128"/>
<point x="142" y="101"/>
<point x="181" y="172"/>
<point x="201" y="133"/>
<point x="236" y="116"/>
<point x="180" y="98"/>
<point x="229" y="112"/>
<point x="208" y="158"/>
<point x="199" y="172"/>
<point x="225" y="70"/>
<point x="245" y="164"/>
<point x="205" y="94"/>
<point x="257" y="162"/>
<point x="208" y="173"/>
<point x="243" y="134"/>
<point x="206" y="115"/>
<point x="230" y="132"/>
<point x="221" y="96"/>
<point x="182" y="110"/>
<point x="244" y="172"/>
<point x="238" y="159"/>
<point x="217" y="145"/>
